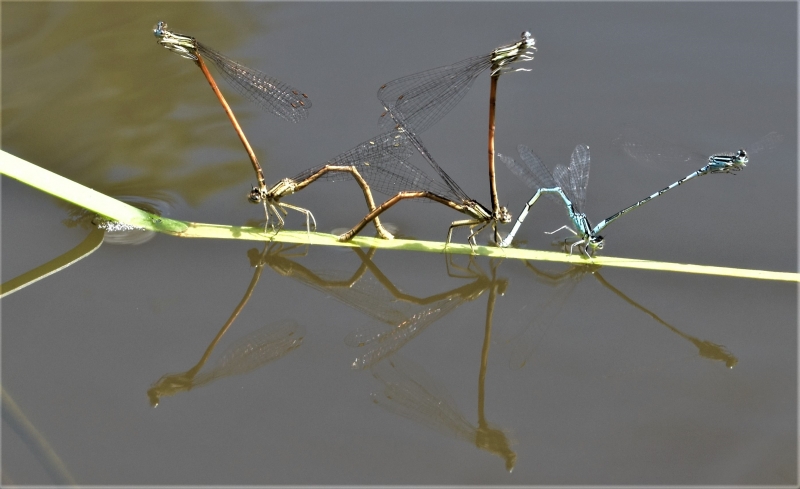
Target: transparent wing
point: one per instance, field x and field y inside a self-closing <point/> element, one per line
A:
<point x="579" y="175"/>
<point x="410" y="392"/>
<point x="766" y="143"/>
<point x="383" y="161"/>
<point x="382" y="342"/>
<point x="561" y="176"/>
<point x="255" y="350"/>
<point x="271" y="94"/>
<point x="654" y="151"/>
<point x="535" y="174"/>
<point x="422" y="99"/>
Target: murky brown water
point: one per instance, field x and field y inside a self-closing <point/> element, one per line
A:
<point x="570" y="376"/>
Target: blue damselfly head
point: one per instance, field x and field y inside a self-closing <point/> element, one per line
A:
<point x="185" y="46"/>
<point x="726" y="163"/>
<point x="159" y="29"/>
<point x="741" y="157"/>
<point x="597" y="242"/>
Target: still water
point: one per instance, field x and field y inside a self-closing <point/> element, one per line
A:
<point x="278" y="365"/>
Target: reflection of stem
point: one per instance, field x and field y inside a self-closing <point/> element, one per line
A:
<point x="84" y="249"/>
<point x="270" y="347"/>
<point x="37" y="443"/>
<point x="705" y="348"/>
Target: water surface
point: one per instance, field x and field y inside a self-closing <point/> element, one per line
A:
<point x="571" y="376"/>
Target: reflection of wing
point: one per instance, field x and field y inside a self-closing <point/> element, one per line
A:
<point x="370" y="297"/>
<point x="526" y="340"/>
<point x="410" y="392"/>
<point x="381" y="342"/>
<point x="362" y="292"/>
<point x="255" y="350"/>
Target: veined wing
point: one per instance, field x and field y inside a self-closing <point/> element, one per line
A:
<point x="271" y="94"/>
<point x="255" y="350"/>
<point x="422" y="99"/>
<point x="573" y="181"/>
<point x="410" y="392"/>
<point x="534" y="173"/>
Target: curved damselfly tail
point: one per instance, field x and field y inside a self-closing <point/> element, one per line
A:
<point x="566" y="185"/>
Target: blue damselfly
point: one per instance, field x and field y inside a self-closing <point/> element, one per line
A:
<point x="570" y="183"/>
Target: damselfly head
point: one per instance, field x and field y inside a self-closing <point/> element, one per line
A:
<point x="597" y="242"/>
<point x="255" y="196"/>
<point x="503" y="215"/>
<point x="160" y="28"/>
<point x="741" y="158"/>
<point x="527" y="40"/>
<point x="183" y="45"/>
<point x="504" y="56"/>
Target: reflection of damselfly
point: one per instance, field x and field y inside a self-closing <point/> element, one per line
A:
<point x="373" y="293"/>
<point x="421" y="186"/>
<point x="523" y="342"/>
<point x="379" y="342"/>
<point x="569" y="183"/>
<point x="271" y="94"/>
<point x="423" y="98"/>
<point x="410" y="392"/>
<point x="246" y="354"/>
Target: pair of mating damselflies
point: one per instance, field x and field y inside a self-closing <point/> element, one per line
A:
<point x="569" y="185"/>
<point x="415" y="103"/>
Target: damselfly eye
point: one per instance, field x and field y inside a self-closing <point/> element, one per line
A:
<point x="254" y="196"/>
